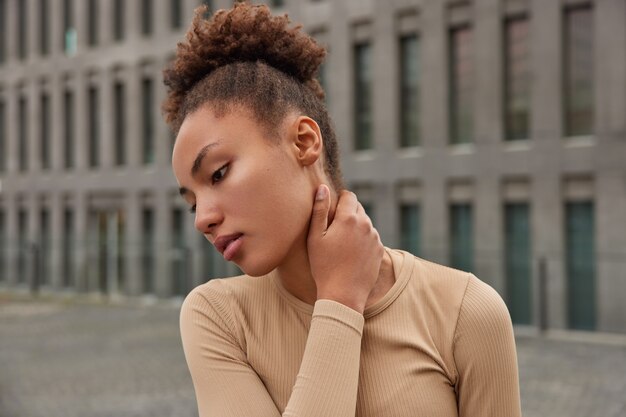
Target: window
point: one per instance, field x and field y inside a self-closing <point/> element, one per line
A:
<point x="516" y="79"/>
<point x="362" y="97"/>
<point x="3" y="137"/>
<point x="580" y="264"/>
<point x="3" y="245"/>
<point x="118" y="20"/>
<point x="517" y="259"/>
<point x="44" y="27"/>
<point x="146" y="17"/>
<point x="147" y="94"/>
<point x="410" y="228"/>
<point x="22" y="246"/>
<point x="278" y="3"/>
<point x="461" y="86"/>
<point x="22" y="133"/>
<point x="92" y="22"/>
<point x="69" y="31"/>
<point x="147" y="248"/>
<point x="68" y="247"/>
<point x="68" y="128"/>
<point x="176" y="14"/>
<point x="209" y="4"/>
<point x="180" y="254"/>
<point x="94" y="126"/>
<point x="461" y="237"/>
<point x="22" y="29"/>
<point x="119" y="122"/>
<point x="45" y="128"/>
<point x="409" y="91"/>
<point x="44" y="246"/>
<point x="3" y="34"/>
<point x="578" y="71"/>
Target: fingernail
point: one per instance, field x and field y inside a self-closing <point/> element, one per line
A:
<point x="321" y="193"/>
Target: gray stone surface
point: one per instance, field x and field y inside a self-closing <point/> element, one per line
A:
<point x="90" y="359"/>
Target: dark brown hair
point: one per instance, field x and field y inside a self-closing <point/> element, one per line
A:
<point x="247" y="57"/>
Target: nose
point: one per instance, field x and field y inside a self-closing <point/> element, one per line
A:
<point x="208" y="217"/>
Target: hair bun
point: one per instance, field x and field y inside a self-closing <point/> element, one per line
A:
<point x="247" y="33"/>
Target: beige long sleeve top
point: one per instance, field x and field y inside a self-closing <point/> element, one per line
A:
<point x="438" y="344"/>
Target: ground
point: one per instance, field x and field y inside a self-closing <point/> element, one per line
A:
<point x="94" y="359"/>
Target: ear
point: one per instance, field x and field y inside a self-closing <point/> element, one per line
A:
<point x="307" y="138"/>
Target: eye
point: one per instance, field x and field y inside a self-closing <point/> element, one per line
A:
<point x="219" y="174"/>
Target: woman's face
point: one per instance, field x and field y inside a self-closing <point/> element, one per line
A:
<point x="252" y="195"/>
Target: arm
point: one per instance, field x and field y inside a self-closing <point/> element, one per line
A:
<point x="227" y="386"/>
<point x="485" y="355"/>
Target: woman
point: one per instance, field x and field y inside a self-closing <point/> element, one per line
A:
<point x="326" y="321"/>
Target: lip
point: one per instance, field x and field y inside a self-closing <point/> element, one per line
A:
<point x="222" y="242"/>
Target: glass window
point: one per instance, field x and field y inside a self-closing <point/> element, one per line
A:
<point x="3" y="245"/>
<point x="461" y="237"/>
<point x="44" y="246"/>
<point x="580" y="264"/>
<point x="147" y="94"/>
<point x="22" y="135"/>
<point x="147" y="248"/>
<point x="517" y="79"/>
<point x="68" y="128"/>
<point x="44" y="27"/>
<point x="3" y="34"/>
<point x="578" y="71"/>
<point x="3" y="137"/>
<point x="362" y="97"/>
<point x="118" y="20"/>
<point x="410" y="228"/>
<point x="92" y="22"/>
<point x="45" y="128"/>
<point x="94" y="127"/>
<point x="409" y="91"/>
<point x="278" y="3"/>
<point x="22" y="29"/>
<point x="68" y="248"/>
<point x="518" y="262"/>
<point x="176" y="14"/>
<point x="22" y="245"/>
<point x="119" y="130"/>
<point x="69" y="30"/>
<point x="146" y="17"/>
<point x="461" y="86"/>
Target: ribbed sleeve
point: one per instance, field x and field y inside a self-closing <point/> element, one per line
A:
<point x="485" y="355"/>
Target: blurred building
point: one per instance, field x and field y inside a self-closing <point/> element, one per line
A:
<point x="489" y="135"/>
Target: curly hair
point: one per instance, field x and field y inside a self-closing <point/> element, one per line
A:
<point x="246" y="57"/>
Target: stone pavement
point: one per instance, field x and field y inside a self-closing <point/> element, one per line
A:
<point x="97" y="360"/>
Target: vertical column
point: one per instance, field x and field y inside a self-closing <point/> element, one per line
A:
<point x="11" y="31"/>
<point x="162" y="131"/>
<point x="160" y="15"/>
<point x="163" y="270"/>
<point x="80" y="237"/>
<point x="435" y="221"/>
<point x="488" y="233"/>
<point x="133" y="244"/>
<point x="105" y="30"/>
<point x="340" y="82"/>
<point x="56" y="122"/>
<point x="384" y="84"/>
<point x="193" y="240"/>
<point x="56" y="239"/>
<point x="56" y="27"/>
<point x="547" y="233"/>
<point x="33" y="97"/>
<point x="546" y="67"/>
<point x="33" y="241"/>
<point x="132" y="23"/>
<point x="11" y="128"/>
<point x="610" y="249"/>
<point x="488" y="72"/>
<point x="33" y="29"/>
<point x="133" y="119"/>
<point x="610" y="67"/>
<point x="80" y="122"/>
<point x="434" y="82"/>
<point x="80" y="25"/>
<point x="106" y="115"/>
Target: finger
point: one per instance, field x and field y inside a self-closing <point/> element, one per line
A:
<point x="347" y="204"/>
<point x="319" y="216"/>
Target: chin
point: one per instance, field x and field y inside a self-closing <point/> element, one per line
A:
<point x="256" y="269"/>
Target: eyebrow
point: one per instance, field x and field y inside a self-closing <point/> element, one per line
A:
<point x="197" y="163"/>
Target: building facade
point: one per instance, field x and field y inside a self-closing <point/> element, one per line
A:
<point x="489" y="135"/>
